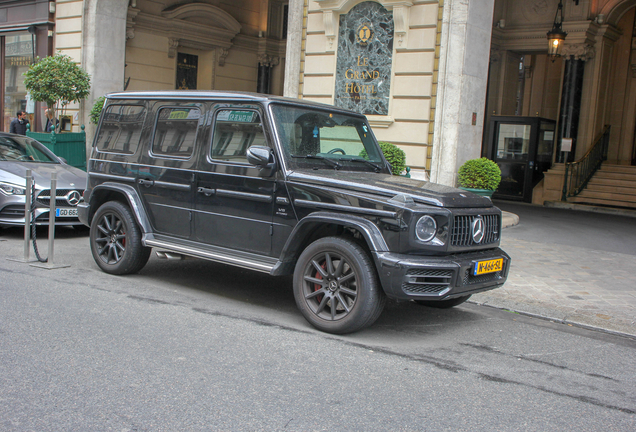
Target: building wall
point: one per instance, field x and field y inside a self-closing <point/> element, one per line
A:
<point x="411" y="105"/>
<point x="68" y="41"/>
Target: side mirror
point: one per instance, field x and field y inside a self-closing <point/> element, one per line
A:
<point x="263" y="158"/>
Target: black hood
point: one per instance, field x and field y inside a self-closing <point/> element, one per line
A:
<point x="388" y="186"/>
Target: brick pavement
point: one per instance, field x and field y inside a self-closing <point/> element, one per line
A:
<point x="568" y="284"/>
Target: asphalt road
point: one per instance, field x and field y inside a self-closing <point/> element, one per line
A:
<point x="192" y="345"/>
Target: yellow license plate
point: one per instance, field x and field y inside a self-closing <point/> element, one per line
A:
<point x="490" y="266"/>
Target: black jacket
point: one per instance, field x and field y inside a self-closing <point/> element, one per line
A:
<point x="18" y="126"/>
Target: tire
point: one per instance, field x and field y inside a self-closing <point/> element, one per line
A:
<point x="115" y="240"/>
<point x="336" y="286"/>
<point x="443" y="304"/>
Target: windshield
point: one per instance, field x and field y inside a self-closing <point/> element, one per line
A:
<point x="317" y="139"/>
<point x="23" y="149"/>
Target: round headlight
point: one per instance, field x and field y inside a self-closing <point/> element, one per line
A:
<point x="426" y="228"/>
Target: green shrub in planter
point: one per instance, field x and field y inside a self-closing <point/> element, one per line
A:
<point x="393" y="154"/>
<point x="96" y="111"/>
<point x="479" y="174"/>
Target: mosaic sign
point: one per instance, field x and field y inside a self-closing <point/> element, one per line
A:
<point x="365" y="53"/>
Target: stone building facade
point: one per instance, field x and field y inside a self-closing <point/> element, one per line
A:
<point x="428" y="73"/>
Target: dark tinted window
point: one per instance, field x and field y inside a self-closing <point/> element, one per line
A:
<point x="23" y="149"/>
<point x="234" y="132"/>
<point x="121" y="127"/>
<point x="176" y="131"/>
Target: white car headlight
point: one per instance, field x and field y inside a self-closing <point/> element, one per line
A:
<point x="11" y="189"/>
<point x="426" y="228"/>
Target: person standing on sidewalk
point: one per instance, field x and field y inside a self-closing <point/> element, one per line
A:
<point x="50" y="120"/>
<point x="19" y="124"/>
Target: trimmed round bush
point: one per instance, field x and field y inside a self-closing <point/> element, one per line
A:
<point x="393" y="154"/>
<point x="479" y="173"/>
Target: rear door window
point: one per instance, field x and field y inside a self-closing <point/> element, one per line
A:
<point x="176" y="132"/>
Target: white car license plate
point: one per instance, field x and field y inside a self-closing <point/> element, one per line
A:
<point x="66" y="212"/>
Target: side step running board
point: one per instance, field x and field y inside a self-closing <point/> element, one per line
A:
<point x="172" y="250"/>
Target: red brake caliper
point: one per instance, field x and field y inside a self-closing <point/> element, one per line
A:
<point x="317" y="286"/>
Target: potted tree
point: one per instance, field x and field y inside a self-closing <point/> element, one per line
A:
<point x="480" y="176"/>
<point x="58" y="81"/>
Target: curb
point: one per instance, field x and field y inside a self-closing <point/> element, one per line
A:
<point x="590" y="208"/>
<point x="509" y="219"/>
<point x="558" y="320"/>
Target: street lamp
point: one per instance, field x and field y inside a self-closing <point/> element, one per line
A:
<point x="556" y="36"/>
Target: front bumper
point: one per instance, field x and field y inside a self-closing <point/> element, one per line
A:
<point x="13" y="215"/>
<point x="415" y="277"/>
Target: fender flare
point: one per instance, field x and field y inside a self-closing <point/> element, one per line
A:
<point x="134" y="201"/>
<point x="370" y="231"/>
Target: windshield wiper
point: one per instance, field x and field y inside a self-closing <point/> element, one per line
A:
<point x="376" y="167"/>
<point x="331" y="162"/>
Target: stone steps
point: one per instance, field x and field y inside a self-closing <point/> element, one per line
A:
<point x="612" y="186"/>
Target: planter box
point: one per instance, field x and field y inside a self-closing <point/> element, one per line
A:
<point x="69" y="145"/>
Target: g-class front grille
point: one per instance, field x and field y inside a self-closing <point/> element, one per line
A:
<point x="423" y="281"/>
<point x="462" y="234"/>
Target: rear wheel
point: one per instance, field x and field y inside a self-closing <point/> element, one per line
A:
<point x="443" y="304"/>
<point x="336" y="287"/>
<point x="116" y="240"/>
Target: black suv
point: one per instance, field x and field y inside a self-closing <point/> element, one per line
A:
<point x="283" y="186"/>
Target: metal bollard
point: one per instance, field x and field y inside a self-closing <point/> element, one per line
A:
<point x="27" y="214"/>
<point x="52" y="210"/>
<point x="50" y="264"/>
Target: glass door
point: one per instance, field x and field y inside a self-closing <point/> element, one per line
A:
<point x="512" y="154"/>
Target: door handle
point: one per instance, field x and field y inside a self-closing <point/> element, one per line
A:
<point x="145" y="182"/>
<point x="206" y="191"/>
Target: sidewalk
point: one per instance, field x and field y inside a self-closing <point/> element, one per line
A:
<point x="569" y="284"/>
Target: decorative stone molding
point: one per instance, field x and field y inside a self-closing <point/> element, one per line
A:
<point x="197" y="25"/>
<point x="222" y="54"/>
<point x="401" y="22"/>
<point x="267" y="60"/>
<point x="332" y="9"/>
<point x="173" y="44"/>
<point x="330" y="20"/>
<point x="130" y="22"/>
<point x="579" y="52"/>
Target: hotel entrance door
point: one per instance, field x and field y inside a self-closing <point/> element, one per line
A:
<point x="522" y="147"/>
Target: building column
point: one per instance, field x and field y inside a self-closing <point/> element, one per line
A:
<point x="570" y="110"/>
<point x="294" y="41"/>
<point x="462" y="85"/>
<point x="103" y="51"/>
<point x="576" y="57"/>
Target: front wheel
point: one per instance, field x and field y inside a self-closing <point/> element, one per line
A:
<point x="443" y="304"/>
<point x="116" y="240"/>
<point x="336" y="286"/>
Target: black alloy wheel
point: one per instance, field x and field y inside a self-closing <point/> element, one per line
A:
<point x="336" y="286"/>
<point x="116" y="240"/>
